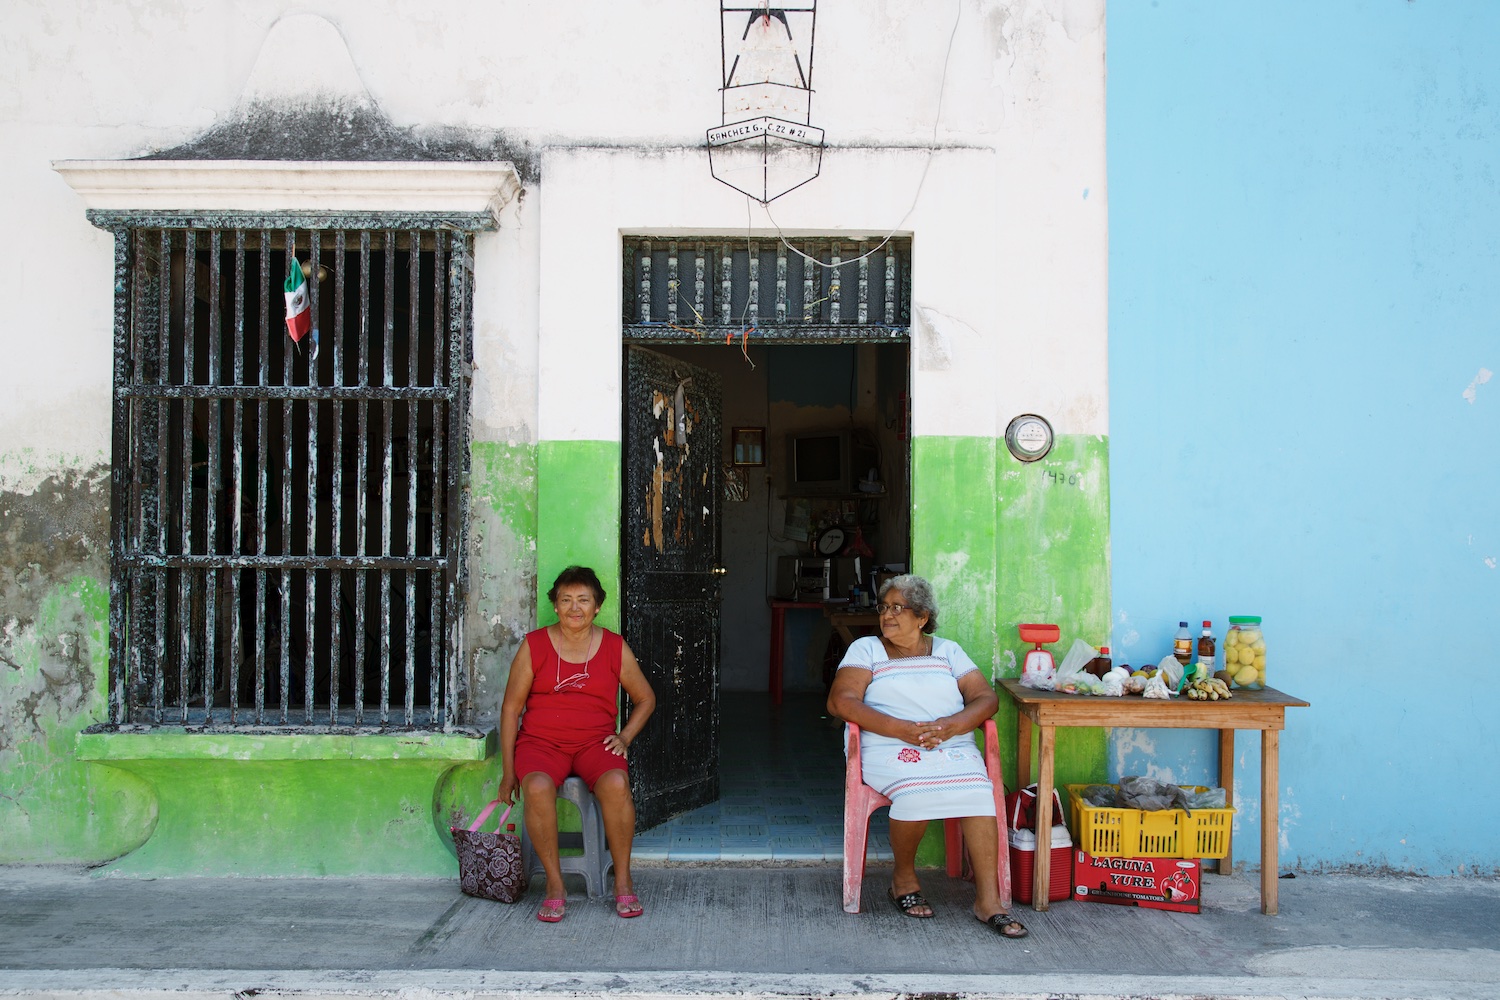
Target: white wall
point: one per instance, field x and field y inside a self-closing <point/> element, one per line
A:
<point x="612" y="100"/>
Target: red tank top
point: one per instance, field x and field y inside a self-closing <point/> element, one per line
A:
<point x="565" y="707"/>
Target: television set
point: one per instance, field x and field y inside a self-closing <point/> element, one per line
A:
<point x="827" y="461"/>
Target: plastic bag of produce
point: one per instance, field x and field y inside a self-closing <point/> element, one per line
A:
<point x="1209" y="798"/>
<point x="1071" y="675"/>
<point x="1156" y="688"/>
<point x="1170" y="671"/>
<point x="1102" y="796"/>
<point x="1149" y="794"/>
<point x="1038" y="673"/>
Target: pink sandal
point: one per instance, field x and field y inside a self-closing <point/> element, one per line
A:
<point x="628" y="906"/>
<point x="552" y="910"/>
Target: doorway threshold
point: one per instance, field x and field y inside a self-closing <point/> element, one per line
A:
<point x="781" y="790"/>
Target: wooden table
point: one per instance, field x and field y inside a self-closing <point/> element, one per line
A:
<point x="1264" y="710"/>
<point x="841" y="615"/>
<point x="845" y="618"/>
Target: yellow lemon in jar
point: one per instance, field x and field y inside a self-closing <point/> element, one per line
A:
<point x="1251" y="636"/>
<point x="1231" y="639"/>
<point x="1259" y="661"/>
<point x="1247" y="656"/>
<point x="1246" y="677"/>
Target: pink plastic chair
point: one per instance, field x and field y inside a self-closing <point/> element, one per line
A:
<point x="860" y="801"/>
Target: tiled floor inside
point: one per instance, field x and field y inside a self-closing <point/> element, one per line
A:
<point x="781" y="790"/>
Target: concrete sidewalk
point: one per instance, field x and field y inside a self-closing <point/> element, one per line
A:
<point x="733" y="930"/>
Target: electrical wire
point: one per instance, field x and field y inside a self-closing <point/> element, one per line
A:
<point x="921" y="181"/>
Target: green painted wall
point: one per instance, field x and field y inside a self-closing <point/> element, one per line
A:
<point x="54" y="683"/>
<point x="502" y="564"/>
<point x="54" y="627"/>
<point x="1006" y="542"/>
<point x="578" y="518"/>
<point x="288" y="803"/>
<point x="1003" y="543"/>
<point x="504" y="481"/>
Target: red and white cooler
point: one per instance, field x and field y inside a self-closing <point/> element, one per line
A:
<point x="1022" y="864"/>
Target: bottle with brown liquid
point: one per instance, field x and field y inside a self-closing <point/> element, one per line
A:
<point x="1204" y="668"/>
<point x="1099" y="665"/>
<point x="1182" y="644"/>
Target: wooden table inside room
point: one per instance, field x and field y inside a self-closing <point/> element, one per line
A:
<point x="844" y="618"/>
<point x="1264" y="710"/>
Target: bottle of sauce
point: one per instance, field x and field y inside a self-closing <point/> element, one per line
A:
<point x="1205" y="666"/>
<point x="1182" y="644"/>
<point x="1099" y="665"/>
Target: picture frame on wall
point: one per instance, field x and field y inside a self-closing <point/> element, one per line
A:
<point x="747" y="446"/>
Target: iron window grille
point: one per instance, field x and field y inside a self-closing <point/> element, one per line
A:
<point x="288" y="530"/>
<point x="690" y="290"/>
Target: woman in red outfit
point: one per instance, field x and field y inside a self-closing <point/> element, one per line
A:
<point x="566" y="679"/>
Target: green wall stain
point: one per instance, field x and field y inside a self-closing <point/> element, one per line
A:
<point x="1004" y="542"/>
<point x="578" y="519"/>
<point x="502" y="563"/>
<point x="54" y="807"/>
<point x="502" y="479"/>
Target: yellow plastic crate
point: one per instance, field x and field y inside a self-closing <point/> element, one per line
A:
<point x="1137" y="833"/>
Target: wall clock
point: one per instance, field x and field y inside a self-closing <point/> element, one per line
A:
<point x="830" y="542"/>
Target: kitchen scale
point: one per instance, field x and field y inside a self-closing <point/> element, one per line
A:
<point x="1038" y="661"/>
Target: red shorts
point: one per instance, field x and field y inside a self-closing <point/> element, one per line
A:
<point x="589" y="762"/>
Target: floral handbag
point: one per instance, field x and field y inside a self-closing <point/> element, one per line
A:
<point x="489" y="864"/>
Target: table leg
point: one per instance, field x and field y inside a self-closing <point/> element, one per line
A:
<point x="1270" y="816"/>
<point x="1225" y="865"/>
<point x="778" y="634"/>
<point x="1040" y="887"/>
<point x="1023" y="750"/>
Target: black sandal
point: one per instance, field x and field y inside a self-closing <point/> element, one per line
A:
<point x="1001" y="923"/>
<point x="909" y="902"/>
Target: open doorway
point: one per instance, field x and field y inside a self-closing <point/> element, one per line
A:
<point x="814" y="500"/>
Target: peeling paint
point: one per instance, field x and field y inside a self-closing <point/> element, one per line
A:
<point x="53" y="677"/>
<point x="1472" y="392"/>
<point x="502" y="566"/>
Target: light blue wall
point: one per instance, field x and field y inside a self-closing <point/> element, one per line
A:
<point x="1304" y="280"/>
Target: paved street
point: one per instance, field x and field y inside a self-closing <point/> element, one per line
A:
<point x="733" y="930"/>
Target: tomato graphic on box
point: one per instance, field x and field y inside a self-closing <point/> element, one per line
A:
<point x="1178" y="888"/>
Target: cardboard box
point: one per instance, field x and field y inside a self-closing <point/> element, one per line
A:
<point x="1155" y="883"/>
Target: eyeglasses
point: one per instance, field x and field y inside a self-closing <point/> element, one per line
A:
<point x="894" y="609"/>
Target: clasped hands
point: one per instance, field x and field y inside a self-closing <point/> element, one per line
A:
<point x="928" y="735"/>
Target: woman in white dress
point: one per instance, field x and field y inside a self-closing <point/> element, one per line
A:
<point x="917" y="700"/>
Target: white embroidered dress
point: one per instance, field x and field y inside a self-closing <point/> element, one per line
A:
<point x="948" y="780"/>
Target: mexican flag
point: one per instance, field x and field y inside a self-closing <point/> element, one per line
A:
<point x="298" y="308"/>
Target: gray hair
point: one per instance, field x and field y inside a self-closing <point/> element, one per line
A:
<point x="918" y="594"/>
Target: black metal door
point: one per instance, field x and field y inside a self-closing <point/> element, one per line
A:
<point x="670" y="542"/>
